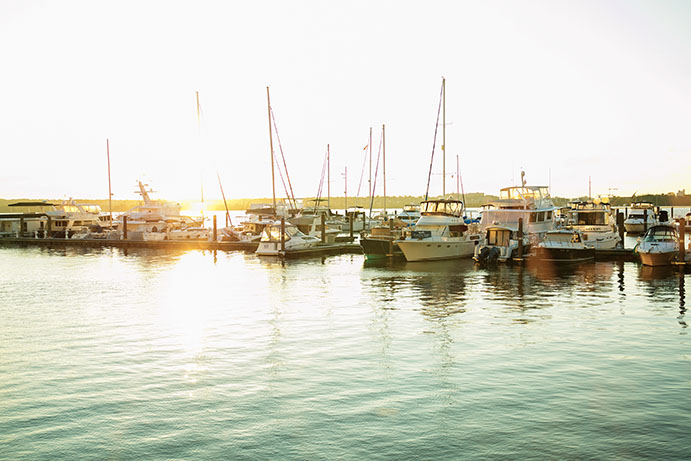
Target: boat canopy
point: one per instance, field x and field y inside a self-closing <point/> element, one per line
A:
<point x="660" y="234"/>
<point x="535" y="193"/>
<point x="442" y="207"/>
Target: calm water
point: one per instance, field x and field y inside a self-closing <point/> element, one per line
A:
<point x="145" y="355"/>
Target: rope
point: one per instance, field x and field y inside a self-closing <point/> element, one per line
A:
<point x="321" y="183"/>
<point x="362" y="175"/>
<point x="291" y="195"/>
<point x="434" y="143"/>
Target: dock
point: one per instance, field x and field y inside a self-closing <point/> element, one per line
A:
<point x="126" y="244"/>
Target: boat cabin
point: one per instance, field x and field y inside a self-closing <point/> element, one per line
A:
<point x="498" y="236"/>
<point x="661" y="234"/>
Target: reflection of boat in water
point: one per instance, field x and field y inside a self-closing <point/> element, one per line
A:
<point x="563" y="246"/>
<point x="277" y="243"/>
<point x="659" y="246"/>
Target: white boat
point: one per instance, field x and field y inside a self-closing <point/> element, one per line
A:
<point x="440" y="233"/>
<point x="641" y="215"/>
<point x="531" y="204"/>
<point x="410" y="214"/>
<point x="499" y="243"/>
<point x="564" y="246"/>
<point x="596" y="224"/>
<point x="275" y="243"/>
<point x="659" y="246"/>
<point x="64" y="220"/>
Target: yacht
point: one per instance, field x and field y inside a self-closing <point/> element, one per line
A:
<point x="440" y="233"/>
<point x="500" y="219"/>
<point x="595" y="222"/>
<point x="500" y="244"/>
<point x="382" y="240"/>
<point x="641" y="215"/>
<point x="273" y="243"/>
<point x="564" y="245"/>
<point x="659" y="246"/>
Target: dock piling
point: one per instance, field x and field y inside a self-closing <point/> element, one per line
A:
<point x="215" y="230"/>
<point x="390" y="237"/>
<point x="323" y="217"/>
<point x="645" y="221"/>
<point x="520" y="238"/>
<point x="124" y="227"/>
<point x="682" y="239"/>
<point x="283" y="235"/>
<point x="21" y="228"/>
<point x="620" y="226"/>
<point x="49" y="228"/>
<point x="350" y="225"/>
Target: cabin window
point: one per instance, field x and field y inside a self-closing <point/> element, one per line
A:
<point x="549" y="216"/>
<point x="591" y="219"/>
<point x="533" y="217"/>
<point x="498" y="237"/>
<point x="541" y="216"/>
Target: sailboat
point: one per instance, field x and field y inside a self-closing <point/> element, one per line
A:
<point x="441" y="231"/>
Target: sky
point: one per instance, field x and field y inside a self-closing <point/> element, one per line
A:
<point x="567" y="91"/>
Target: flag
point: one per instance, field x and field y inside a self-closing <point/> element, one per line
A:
<point x="365" y="148"/>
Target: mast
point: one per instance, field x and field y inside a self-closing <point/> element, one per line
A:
<point x="346" y="191"/>
<point x="271" y="146"/>
<point x="458" y="178"/>
<point x="370" y="168"/>
<point x="328" y="177"/>
<point x="110" y="193"/>
<point x="383" y="139"/>
<point x="443" y="136"/>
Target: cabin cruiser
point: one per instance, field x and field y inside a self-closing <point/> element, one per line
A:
<point x="564" y="245"/>
<point x="64" y="220"/>
<point x="440" y="233"/>
<point x="500" y="220"/>
<point x="595" y="222"/>
<point x="410" y="214"/>
<point x="277" y="243"/>
<point x="641" y="215"/>
<point x="500" y="243"/>
<point x="382" y="240"/>
<point x="659" y="246"/>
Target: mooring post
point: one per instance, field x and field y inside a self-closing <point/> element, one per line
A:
<point x="283" y="235"/>
<point x="620" y="226"/>
<point x="350" y="225"/>
<point x="364" y="221"/>
<point x="49" y="228"/>
<point x="124" y="227"/>
<point x="671" y="213"/>
<point x="626" y="212"/>
<point x="21" y="227"/>
<point x="323" y="216"/>
<point x="520" y="238"/>
<point x="390" y="237"/>
<point x="215" y="233"/>
<point x="645" y="220"/>
<point x="682" y="239"/>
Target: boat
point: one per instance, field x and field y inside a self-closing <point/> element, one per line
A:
<point x="531" y="206"/>
<point x="594" y="220"/>
<point x="382" y="240"/>
<point x="659" y="246"/>
<point x="276" y="243"/>
<point x="500" y="244"/>
<point x="564" y="246"/>
<point x="440" y="233"/>
<point x="641" y="216"/>
<point x="410" y="214"/>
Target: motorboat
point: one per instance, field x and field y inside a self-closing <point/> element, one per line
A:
<point x="440" y="233"/>
<point x="277" y="243"/>
<point x="527" y="207"/>
<point x="500" y="244"/>
<point x="594" y="220"/>
<point x="410" y="214"/>
<point x="642" y="215"/>
<point x="564" y="246"/>
<point x="659" y="246"/>
<point x="381" y="240"/>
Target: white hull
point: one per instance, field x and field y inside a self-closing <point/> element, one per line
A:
<point x="274" y="248"/>
<point x="601" y="240"/>
<point x="431" y="250"/>
<point x="637" y="227"/>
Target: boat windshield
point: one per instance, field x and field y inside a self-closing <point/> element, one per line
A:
<point x="499" y="237"/>
<point x="660" y="235"/>
<point x="442" y="207"/>
<point x="273" y="233"/>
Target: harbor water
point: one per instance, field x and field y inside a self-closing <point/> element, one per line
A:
<point x="107" y="354"/>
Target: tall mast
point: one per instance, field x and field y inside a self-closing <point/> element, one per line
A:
<point x="458" y="178"/>
<point x="383" y="140"/>
<point x="110" y="194"/>
<point x="328" y="177"/>
<point x="443" y="136"/>
<point x="346" y="191"/>
<point x="371" y="192"/>
<point x="271" y="146"/>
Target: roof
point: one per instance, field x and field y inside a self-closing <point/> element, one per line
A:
<point x="31" y="204"/>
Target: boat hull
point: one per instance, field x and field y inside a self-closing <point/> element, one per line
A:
<point x="658" y="259"/>
<point x="379" y="248"/>
<point x="564" y="255"/>
<point x="433" y="250"/>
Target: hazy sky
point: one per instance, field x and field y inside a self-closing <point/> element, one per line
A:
<point x="579" y="88"/>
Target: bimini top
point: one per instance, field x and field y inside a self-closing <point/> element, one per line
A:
<point x="522" y="198"/>
<point x="441" y="207"/>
